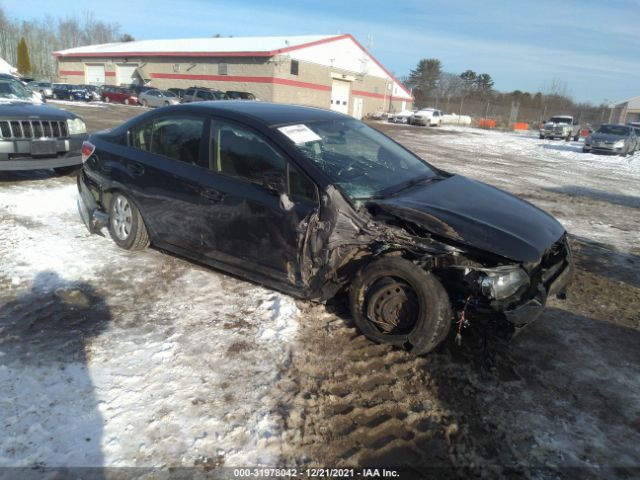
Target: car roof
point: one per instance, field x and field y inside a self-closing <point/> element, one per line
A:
<point x="269" y="114"/>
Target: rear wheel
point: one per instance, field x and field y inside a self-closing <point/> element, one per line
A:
<point x="126" y="101"/>
<point x="126" y="225"/>
<point x="396" y="302"/>
<point x="107" y="99"/>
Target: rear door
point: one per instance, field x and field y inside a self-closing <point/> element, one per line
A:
<point x="165" y="175"/>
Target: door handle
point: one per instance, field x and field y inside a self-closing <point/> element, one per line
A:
<point x="212" y="195"/>
<point x="136" y="169"/>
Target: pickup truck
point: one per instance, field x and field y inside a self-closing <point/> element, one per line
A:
<point x="560" y="126"/>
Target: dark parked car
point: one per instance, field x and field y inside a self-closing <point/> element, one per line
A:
<point x="34" y="136"/>
<point x="233" y="95"/>
<point x="611" y="139"/>
<point x="67" y="91"/>
<point x="93" y="90"/>
<point x="119" y="95"/>
<point x="202" y="94"/>
<point x="313" y="202"/>
<point x="178" y="92"/>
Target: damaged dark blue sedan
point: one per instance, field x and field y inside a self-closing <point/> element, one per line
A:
<point x="315" y="203"/>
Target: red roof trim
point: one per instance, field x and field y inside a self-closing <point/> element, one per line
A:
<point x="380" y="65"/>
<point x="162" y="54"/>
<point x="362" y="93"/>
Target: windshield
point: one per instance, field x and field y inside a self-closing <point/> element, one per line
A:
<point x="560" y="120"/>
<point x="14" y="90"/>
<point x="613" y="130"/>
<point x="360" y="160"/>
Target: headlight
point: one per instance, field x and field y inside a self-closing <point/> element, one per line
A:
<point x="619" y="144"/>
<point x="501" y="283"/>
<point x="76" y="126"/>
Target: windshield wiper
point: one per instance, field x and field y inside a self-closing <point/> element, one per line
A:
<point x="390" y="192"/>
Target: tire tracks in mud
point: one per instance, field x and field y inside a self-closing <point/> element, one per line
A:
<point x="356" y="403"/>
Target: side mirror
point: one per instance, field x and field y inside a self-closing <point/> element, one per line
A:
<point x="274" y="182"/>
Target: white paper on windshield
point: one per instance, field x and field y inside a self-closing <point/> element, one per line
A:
<point x="300" y="134"/>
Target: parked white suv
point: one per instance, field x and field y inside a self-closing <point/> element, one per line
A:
<point x="429" y="117"/>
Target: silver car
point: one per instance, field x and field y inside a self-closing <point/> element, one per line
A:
<point x="45" y="88"/>
<point x="158" y="98"/>
<point x="611" y="139"/>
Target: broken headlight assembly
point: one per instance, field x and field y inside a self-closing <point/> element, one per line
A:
<point x="503" y="282"/>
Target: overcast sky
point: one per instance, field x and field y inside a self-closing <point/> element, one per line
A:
<point x="593" y="45"/>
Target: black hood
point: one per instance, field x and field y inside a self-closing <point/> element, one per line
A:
<point x="30" y="111"/>
<point x="477" y="215"/>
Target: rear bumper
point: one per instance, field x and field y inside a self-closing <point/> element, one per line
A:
<point x="94" y="218"/>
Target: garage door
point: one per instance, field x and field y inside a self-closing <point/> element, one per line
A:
<point x="125" y="73"/>
<point x="340" y="96"/>
<point x="94" y="75"/>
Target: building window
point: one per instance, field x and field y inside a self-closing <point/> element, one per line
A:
<point x="294" y="67"/>
<point x="176" y="67"/>
<point x="222" y="69"/>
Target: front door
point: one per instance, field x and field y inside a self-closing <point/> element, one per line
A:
<point x="340" y="96"/>
<point x="249" y="225"/>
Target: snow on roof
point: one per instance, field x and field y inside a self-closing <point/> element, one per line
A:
<point x="632" y="103"/>
<point x="264" y="45"/>
<point x="5" y="67"/>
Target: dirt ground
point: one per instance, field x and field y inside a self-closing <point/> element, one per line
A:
<point x="559" y="401"/>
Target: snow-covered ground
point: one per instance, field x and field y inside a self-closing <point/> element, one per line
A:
<point x="188" y="378"/>
<point x="110" y="358"/>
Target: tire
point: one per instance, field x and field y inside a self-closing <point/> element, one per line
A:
<point x="126" y="225"/>
<point x="54" y="96"/>
<point x="64" y="171"/>
<point x="107" y="99"/>
<point x="145" y="103"/>
<point x="568" y="139"/>
<point x="541" y="137"/>
<point x="126" y="101"/>
<point x="584" y="150"/>
<point x="166" y="104"/>
<point x="395" y="286"/>
<point x="576" y="137"/>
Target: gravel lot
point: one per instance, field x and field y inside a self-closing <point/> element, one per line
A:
<point x="117" y="359"/>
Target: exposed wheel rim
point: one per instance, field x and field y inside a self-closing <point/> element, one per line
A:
<point x="392" y="306"/>
<point x="121" y="217"/>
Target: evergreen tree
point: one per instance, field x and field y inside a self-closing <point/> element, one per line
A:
<point x="24" y="64"/>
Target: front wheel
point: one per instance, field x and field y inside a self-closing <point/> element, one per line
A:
<point x="126" y="225"/>
<point x="396" y="302"/>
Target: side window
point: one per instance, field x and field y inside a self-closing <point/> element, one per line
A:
<point x="178" y="138"/>
<point x="238" y="152"/>
<point x="300" y="187"/>
<point x="189" y="91"/>
<point x="141" y="136"/>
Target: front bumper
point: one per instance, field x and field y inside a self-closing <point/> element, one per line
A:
<point x="606" y="150"/>
<point x="524" y="314"/>
<point x="17" y="154"/>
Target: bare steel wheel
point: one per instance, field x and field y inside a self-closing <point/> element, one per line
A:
<point x="392" y="306"/>
<point x="126" y="225"/>
<point x="397" y="302"/>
